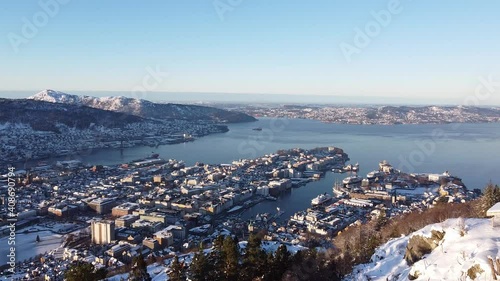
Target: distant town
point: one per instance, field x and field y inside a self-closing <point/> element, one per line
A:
<point x="22" y="143"/>
<point x="106" y="215"/>
<point x="371" y="115"/>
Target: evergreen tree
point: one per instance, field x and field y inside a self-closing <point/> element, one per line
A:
<point x="84" y="271"/>
<point x="311" y="265"/>
<point x="216" y="260"/>
<point x="490" y="197"/>
<point x="231" y="256"/>
<point x="139" y="270"/>
<point x="254" y="260"/>
<point x="177" y="270"/>
<point x="218" y="243"/>
<point x="37" y="239"/>
<point x="200" y="267"/>
<point x="281" y="261"/>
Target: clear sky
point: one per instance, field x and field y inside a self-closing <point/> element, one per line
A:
<point x="427" y="49"/>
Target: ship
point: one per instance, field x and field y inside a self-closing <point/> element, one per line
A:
<point x="320" y="199"/>
<point x="339" y="191"/>
<point x="257" y="129"/>
<point x="374" y="174"/>
<point x="353" y="168"/>
<point x="352" y="180"/>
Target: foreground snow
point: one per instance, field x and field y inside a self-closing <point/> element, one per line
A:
<point x="449" y="261"/>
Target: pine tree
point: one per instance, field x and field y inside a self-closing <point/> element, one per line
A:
<point x="490" y="197"/>
<point x="218" y="243"/>
<point x="200" y="267"/>
<point x="231" y="256"/>
<point x="177" y="270"/>
<point x="269" y="272"/>
<point x="139" y="270"/>
<point x="216" y="260"/>
<point x="254" y="260"/>
<point x="84" y="271"/>
<point x="38" y="239"/>
<point x="280" y="261"/>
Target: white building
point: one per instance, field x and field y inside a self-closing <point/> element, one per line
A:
<point x="495" y="213"/>
<point x="103" y="232"/>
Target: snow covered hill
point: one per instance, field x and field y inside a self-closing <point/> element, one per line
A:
<point x="46" y="116"/>
<point x="475" y="254"/>
<point x="144" y="108"/>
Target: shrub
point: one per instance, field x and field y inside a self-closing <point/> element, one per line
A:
<point x="418" y="246"/>
<point x="474" y="271"/>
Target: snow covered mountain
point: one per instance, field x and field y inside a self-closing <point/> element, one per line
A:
<point x="144" y="108"/>
<point x="469" y="250"/>
<point x="44" y="116"/>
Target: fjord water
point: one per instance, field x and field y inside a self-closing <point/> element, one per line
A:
<point x="469" y="151"/>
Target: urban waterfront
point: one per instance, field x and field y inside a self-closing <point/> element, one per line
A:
<point x="465" y="150"/>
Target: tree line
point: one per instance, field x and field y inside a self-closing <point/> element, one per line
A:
<point x="226" y="261"/>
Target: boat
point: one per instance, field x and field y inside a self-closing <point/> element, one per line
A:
<point x="272" y="198"/>
<point x="338" y="171"/>
<point x="339" y="191"/>
<point x="352" y="180"/>
<point x="373" y="174"/>
<point x="353" y="168"/>
<point x="320" y="199"/>
<point x="279" y="213"/>
<point x="257" y="129"/>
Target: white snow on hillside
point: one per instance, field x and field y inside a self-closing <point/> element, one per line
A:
<point x="110" y="103"/>
<point x="449" y="261"/>
<point x="55" y="96"/>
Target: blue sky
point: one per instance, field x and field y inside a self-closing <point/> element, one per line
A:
<point x="433" y="50"/>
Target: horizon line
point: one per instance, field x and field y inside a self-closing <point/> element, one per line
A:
<point x="396" y="100"/>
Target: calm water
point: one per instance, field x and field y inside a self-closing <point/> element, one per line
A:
<point x="470" y="151"/>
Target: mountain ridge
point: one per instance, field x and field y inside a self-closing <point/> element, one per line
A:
<point x="144" y="108"/>
<point x="45" y="116"/>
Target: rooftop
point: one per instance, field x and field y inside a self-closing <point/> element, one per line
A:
<point x="494" y="211"/>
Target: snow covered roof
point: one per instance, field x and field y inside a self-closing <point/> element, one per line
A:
<point x="494" y="211"/>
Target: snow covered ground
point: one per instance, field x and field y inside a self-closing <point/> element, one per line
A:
<point x="27" y="247"/>
<point x="451" y="260"/>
